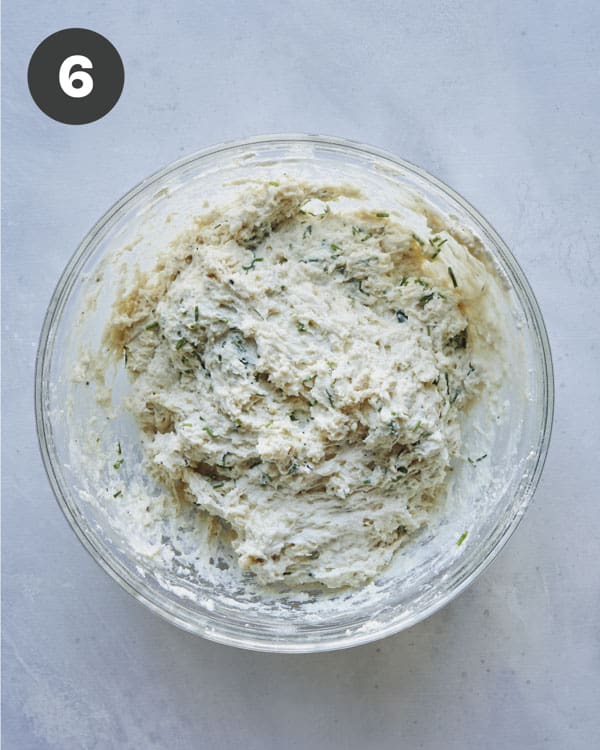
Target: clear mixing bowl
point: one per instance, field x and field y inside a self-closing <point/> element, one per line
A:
<point x="218" y="602"/>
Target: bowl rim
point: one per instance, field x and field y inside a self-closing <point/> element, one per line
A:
<point x="116" y="571"/>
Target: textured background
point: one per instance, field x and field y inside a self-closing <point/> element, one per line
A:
<point x="502" y="101"/>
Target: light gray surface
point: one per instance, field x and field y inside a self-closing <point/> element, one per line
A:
<point x="502" y="101"/>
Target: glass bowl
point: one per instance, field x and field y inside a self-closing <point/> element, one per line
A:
<point x="217" y="601"/>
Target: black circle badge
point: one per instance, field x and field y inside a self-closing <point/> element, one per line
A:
<point x="75" y="76"/>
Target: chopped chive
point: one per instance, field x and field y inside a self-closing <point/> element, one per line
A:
<point x="404" y="281"/>
<point x="452" y="276"/>
<point x="209" y="431"/>
<point x="119" y="448"/>
<point x="307" y="232"/>
<point x="153" y="326"/>
<point x="126" y="354"/>
<point x="118" y="493"/>
<point x="180" y="343"/>
<point x="216" y="486"/>
<point x="118" y="464"/>
<point x="382" y="214"/>
<point x="251" y="266"/>
<point x="447" y="383"/>
<point x="425" y="299"/>
<point x="274" y="183"/>
<point x="196" y="314"/>
<point x="418" y="239"/>
<point x="462" y="538"/>
<point x="437" y="243"/>
<point x="301" y="327"/>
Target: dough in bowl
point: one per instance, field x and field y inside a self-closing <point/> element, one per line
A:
<point x="302" y="360"/>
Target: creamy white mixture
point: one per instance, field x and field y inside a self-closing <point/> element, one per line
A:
<point x="301" y="362"/>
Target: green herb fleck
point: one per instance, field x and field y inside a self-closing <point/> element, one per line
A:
<point x="418" y="239"/>
<point x="402" y="469"/>
<point x="251" y="266"/>
<point x="219" y="484"/>
<point x="307" y="232"/>
<point x="274" y="183"/>
<point x="209" y="431"/>
<point x="118" y="464"/>
<point x="459" y="340"/>
<point x="425" y="299"/>
<point x="437" y="243"/>
<point x="452" y="276"/>
<point x="476" y="460"/>
<point x="329" y="397"/>
<point x="119" y="448"/>
<point x="126" y="354"/>
<point x="359" y="285"/>
<point x="382" y="214"/>
<point x="180" y="343"/>
<point x="118" y="493"/>
<point x="196" y="314"/>
<point x="301" y="327"/>
<point x="224" y="459"/>
<point x="153" y="326"/>
<point x="401" y="316"/>
<point x="462" y="538"/>
<point x="404" y="281"/>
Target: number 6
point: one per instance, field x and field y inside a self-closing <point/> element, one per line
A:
<point x="66" y="78"/>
